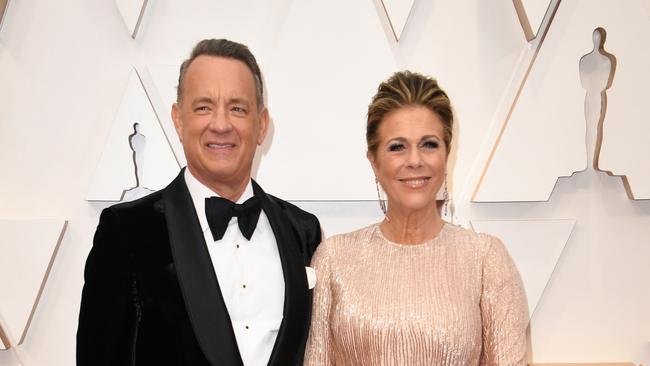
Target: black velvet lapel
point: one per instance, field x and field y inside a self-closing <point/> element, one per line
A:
<point x="198" y="282"/>
<point x="297" y="302"/>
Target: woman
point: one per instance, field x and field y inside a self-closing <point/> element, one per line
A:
<point x="413" y="289"/>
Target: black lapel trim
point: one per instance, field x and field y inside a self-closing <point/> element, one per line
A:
<point x="297" y="302"/>
<point x="198" y="282"/>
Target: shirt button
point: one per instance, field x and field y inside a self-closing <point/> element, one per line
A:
<point x="244" y="286"/>
<point x="247" y="327"/>
<point x="237" y="246"/>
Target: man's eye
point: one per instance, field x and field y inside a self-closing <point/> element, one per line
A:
<point x="396" y="147"/>
<point x="202" y="109"/>
<point x="237" y="109"/>
<point x="430" y="144"/>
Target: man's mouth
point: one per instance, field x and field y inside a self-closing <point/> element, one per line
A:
<point x="220" y="145"/>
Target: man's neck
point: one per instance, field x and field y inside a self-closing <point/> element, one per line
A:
<point x="231" y="190"/>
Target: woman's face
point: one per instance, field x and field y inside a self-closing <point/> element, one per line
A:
<point x="411" y="157"/>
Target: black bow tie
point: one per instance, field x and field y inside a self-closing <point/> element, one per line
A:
<point x="219" y="211"/>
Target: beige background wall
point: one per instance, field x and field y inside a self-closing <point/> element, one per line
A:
<point x="65" y="65"/>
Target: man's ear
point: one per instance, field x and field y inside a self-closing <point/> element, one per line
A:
<point x="178" y="122"/>
<point x="264" y="125"/>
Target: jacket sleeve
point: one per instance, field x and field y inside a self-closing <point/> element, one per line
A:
<point x="108" y="316"/>
<point x="313" y="235"/>
<point x="306" y="226"/>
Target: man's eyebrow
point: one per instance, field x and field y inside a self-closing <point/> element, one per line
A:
<point x="233" y="100"/>
<point x="238" y="100"/>
<point x="202" y="100"/>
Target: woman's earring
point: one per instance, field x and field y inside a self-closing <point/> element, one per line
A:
<point x="382" y="202"/>
<point x="445" y="197"/>
<point x="448" y="206"/>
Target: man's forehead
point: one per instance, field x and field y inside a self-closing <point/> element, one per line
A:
<point x="210" y="63"/>
<point x="211" y="71"/>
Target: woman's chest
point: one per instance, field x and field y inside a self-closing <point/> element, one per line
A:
<point x="415" y="308"/>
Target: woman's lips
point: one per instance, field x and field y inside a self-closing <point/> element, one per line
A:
<point x="415" y="183"/>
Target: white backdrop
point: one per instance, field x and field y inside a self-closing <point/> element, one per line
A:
<point x="65" y="66"/>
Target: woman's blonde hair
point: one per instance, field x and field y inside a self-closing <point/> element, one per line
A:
<point x="406" y="88"/>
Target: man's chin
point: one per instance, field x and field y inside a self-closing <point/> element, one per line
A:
<point x="228" y="176"/>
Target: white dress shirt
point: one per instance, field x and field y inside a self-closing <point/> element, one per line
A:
<point x="249" y="274"/>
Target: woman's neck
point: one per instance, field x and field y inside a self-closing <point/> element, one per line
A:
<point x="406" y="226"/>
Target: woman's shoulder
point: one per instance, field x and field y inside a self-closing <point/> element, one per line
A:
<point x="355" y="236"/>
<point x="339" y="244"/>
<point x="479" y="248"/>
<point x="470" y="238"/>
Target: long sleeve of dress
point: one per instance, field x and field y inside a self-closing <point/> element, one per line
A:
<point x="319" y="349"/>
<point x="504" y="309"/>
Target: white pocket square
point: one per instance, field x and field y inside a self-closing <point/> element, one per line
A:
<point x="311" y="277"/>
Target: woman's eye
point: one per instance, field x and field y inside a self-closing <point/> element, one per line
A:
<point x="430" y="144"/>
<point x="396" y="147"/>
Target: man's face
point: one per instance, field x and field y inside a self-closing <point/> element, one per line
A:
<point x="218" y="121"/>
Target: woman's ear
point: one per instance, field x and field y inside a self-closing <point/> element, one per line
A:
<point x="371" y="159"/>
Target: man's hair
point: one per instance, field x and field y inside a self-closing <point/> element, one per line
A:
<point x="404" y="89"/>
<point x="226" y="49"/>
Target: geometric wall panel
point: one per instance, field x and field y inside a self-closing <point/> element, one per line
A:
<point x="544" y="137"/>
<point x="397" y="12"/>
<point x="3" y="9"/>
<point x="27" y="250"/>
<point x="116" y="174"/>
<point x="303" y="50"/>
<point x="531" y="14"/>
<point x="132" y="12"/>
<point x="625" y="150"/>
<point x="160" y="83"/>
<point x="4" y="342"/>
<point x="534" y="245"/>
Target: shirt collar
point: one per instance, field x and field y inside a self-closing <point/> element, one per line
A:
<point x="199" y="192"/>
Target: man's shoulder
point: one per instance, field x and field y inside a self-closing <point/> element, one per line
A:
<point x="153" y="202"/>
<point x="305" y="225"/>
<point x="138" y="209"/>
<point x="294" y="212"/>
<point x="127" y="226"/>
<point x="140" y="203"/>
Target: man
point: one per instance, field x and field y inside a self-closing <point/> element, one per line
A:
<point x="172" y="279"/>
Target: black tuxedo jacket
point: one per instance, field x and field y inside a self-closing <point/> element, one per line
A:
<point x="151" y="296"/>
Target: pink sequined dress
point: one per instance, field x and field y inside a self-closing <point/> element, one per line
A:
<point x="456" y="299"/>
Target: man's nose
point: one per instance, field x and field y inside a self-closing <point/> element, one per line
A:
<point x="220" y="121"/>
